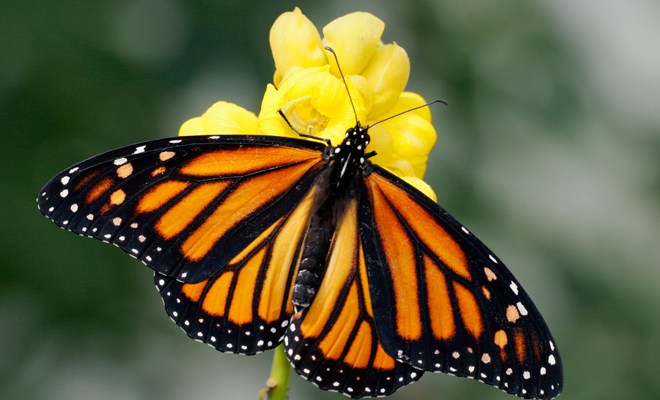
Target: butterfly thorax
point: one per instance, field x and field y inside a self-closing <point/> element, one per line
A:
<point x="349" y="157"/>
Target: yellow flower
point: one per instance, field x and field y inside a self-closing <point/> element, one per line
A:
<point x="315" y="102"/>
<point x="309" y="91"/>
<point x="222" y="119"/>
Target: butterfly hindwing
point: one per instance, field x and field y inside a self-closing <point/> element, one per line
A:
<point x="187" y="206"/>
<point x="334" y="343"/>
<point x="443" y="302"/>
<point x="246" y="306"/>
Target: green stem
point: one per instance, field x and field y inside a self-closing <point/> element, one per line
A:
<point x="277" y="385"/>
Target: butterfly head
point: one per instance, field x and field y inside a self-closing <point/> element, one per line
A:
<point x="349" y="156"/>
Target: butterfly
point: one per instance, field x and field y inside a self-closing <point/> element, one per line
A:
<point x="259" y="240"/>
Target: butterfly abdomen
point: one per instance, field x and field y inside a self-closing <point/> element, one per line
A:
<point x="313" y="260"/>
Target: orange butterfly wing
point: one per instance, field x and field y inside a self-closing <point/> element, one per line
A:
<point x="443" y="302"/>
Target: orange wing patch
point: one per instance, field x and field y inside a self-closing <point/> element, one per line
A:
<point x="125" y="170"/>
<point x="336" y="340"/>
<point x="183" y="213"/>
<point x="160" y="195"/>
<point x="439" y="302"/>
<point x="215" y="301"/>
<point x="470" y="312"/>
<point x="241" y="309"/>
<point x="360" y="352"/>
<point x="220" y="163"/>
<point x="432" y="234"/>
<point x="519" y="341"/>
<point x="103" y="186"/>
<point x="401" y="257"/>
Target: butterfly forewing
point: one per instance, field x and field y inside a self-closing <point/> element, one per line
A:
<point x="185" y="207"/>
<point x="334" y="343"/>
<point x="444" y="302"/>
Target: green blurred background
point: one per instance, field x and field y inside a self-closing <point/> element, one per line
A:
<point x="549" y="152"/>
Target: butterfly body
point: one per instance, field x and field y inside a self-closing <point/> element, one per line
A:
<point x="259" y="240"/>
<point x="344" y="162"/>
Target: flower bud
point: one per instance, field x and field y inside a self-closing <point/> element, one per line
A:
<point x="354" y="38"/>
<point x="387" y="72"/>
<point x="408" y="101"/>
<point x="295" y="41"/>
<point x="412" y="139"/>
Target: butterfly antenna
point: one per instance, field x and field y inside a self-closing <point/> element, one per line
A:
<point x="407" y="111"/>
<point x="345" y="84"/>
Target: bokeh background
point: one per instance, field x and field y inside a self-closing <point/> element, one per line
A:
<point x="549" y="152"/>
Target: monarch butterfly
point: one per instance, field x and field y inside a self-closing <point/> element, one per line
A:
<point x="258" y="240"/>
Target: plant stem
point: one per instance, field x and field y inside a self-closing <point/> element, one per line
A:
<point x="277" y="385"/>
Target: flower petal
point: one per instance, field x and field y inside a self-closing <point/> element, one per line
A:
<point x="421" y="186"/>
<point x="327" y="92"/>
<point x="412" y="139"/>
<point x="269" y="121"/>
<point x="192" y="127"/>
<point x="387" y="72"/>
<point x="229" y="119"/>
<point x="354" y="38"/>
<point x="408" y="101"/>
<point x="295" y="41"/>
<point x="362" y="86"/>
<point x="381" y="142"/>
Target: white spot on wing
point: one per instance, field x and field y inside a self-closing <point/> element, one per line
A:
<point x="139" y="149"/>
<point x="120" y="161"/>
<point x="521" y="308"/>
<point x="74" y="207"/>
<point x="72" y="170"/>
<point x="514" y="287"/>
<point x="64" y="193"/>
<point x="551" y="359"/>
<point x="65" y="180"/>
